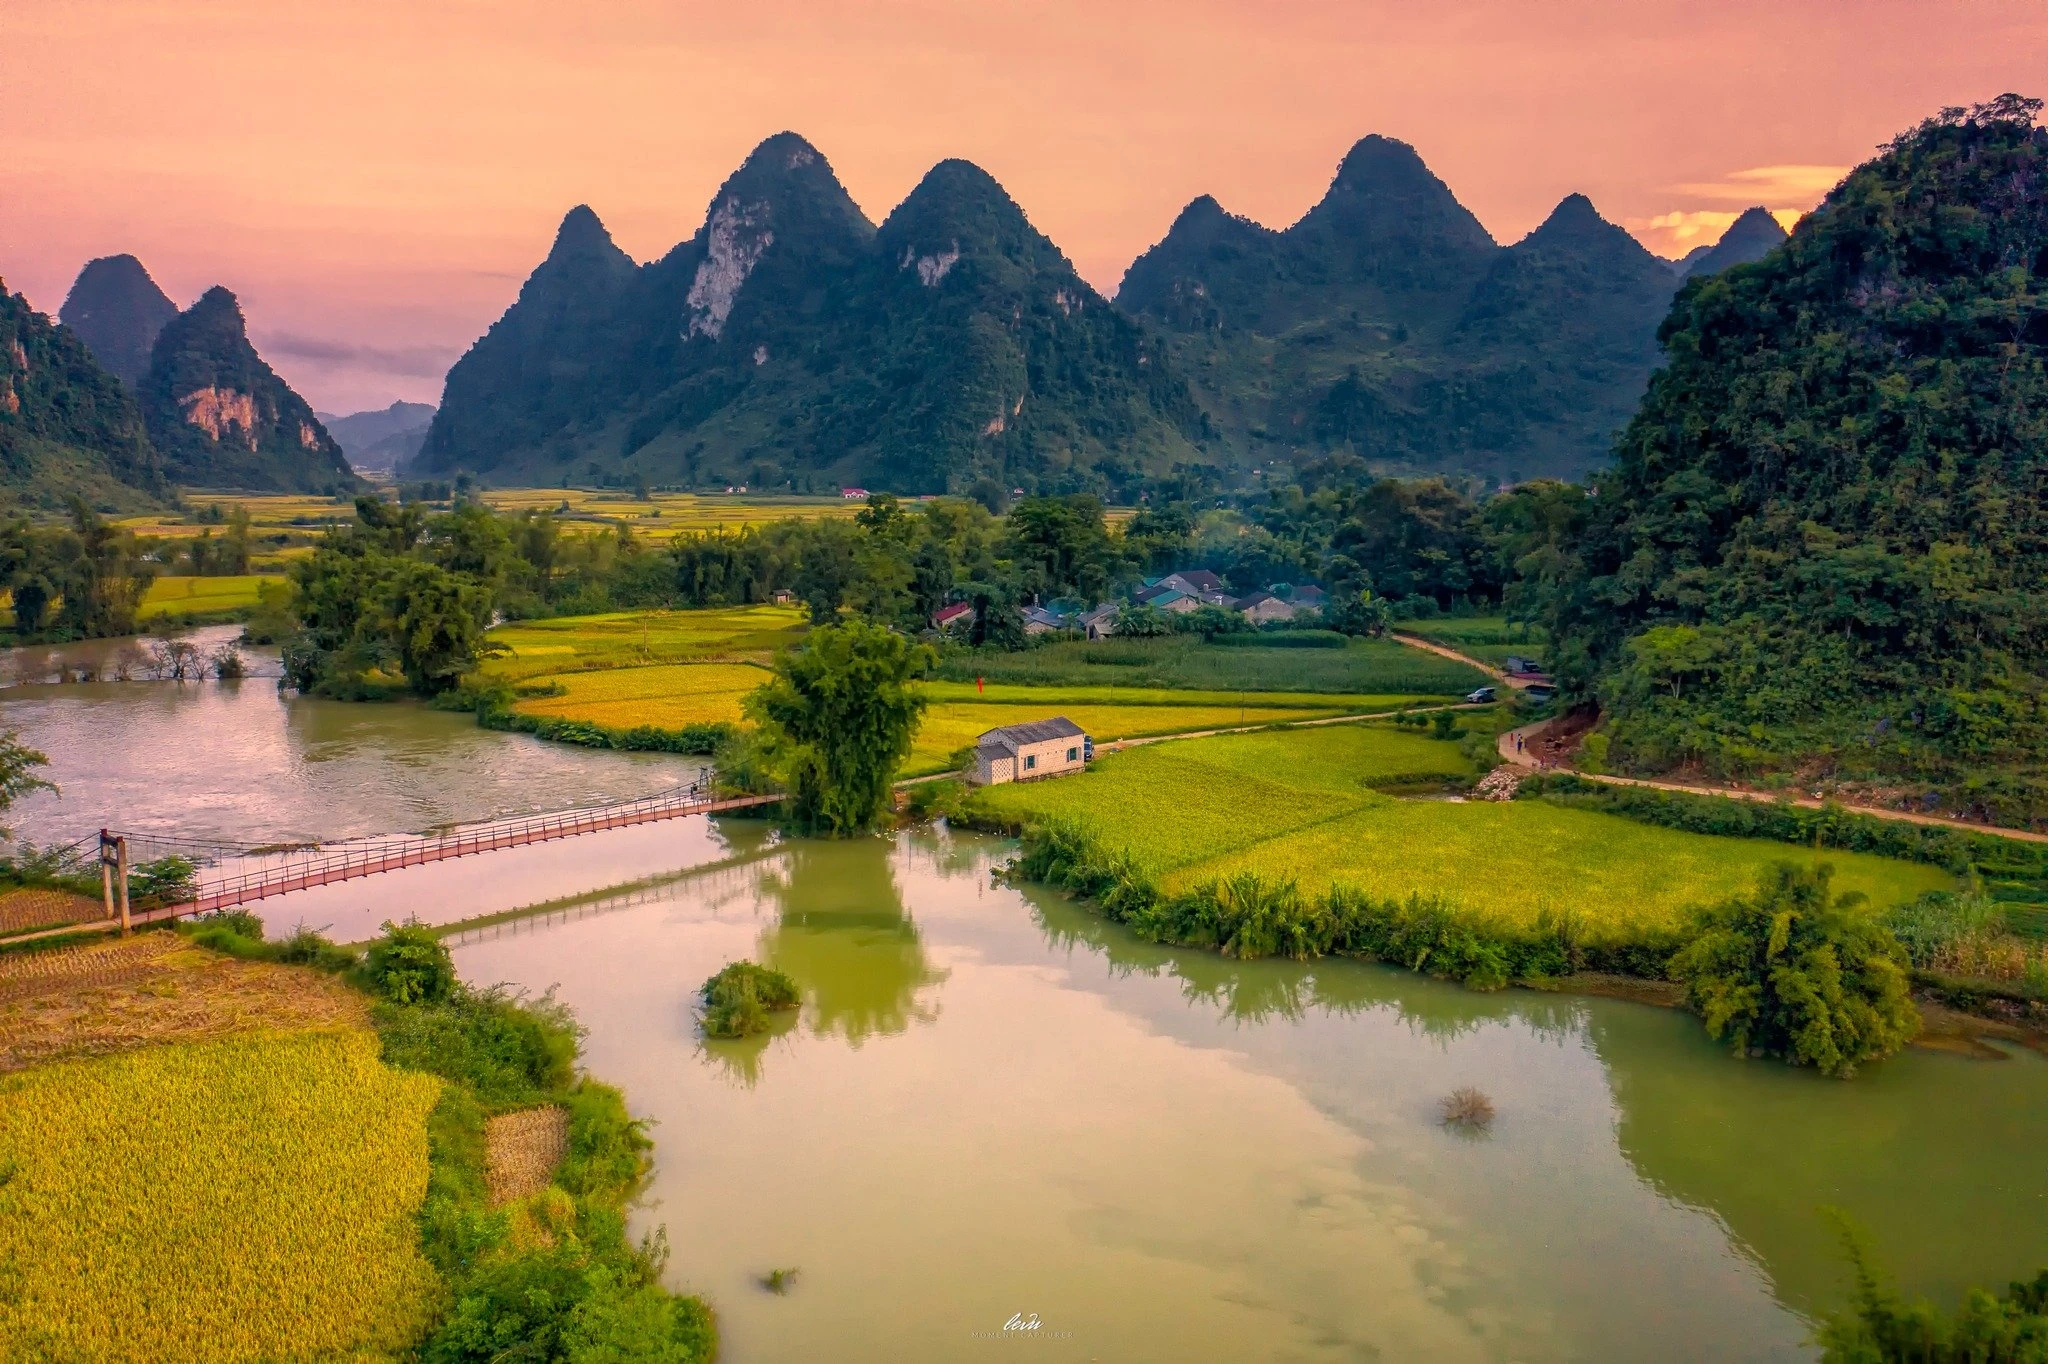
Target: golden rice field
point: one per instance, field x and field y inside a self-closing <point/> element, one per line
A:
<point x="668" y="696"/>
<point x="248" y="1199"/>
<point x="1298" y="804"/>
<point x="268" y="513"/>
<point x="671" y="696"/>
<point x="663" y="516"/>
<point x="173" y="597"/>
<point x="534" y="648"/>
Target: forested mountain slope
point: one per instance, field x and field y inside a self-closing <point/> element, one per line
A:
<point x="118" y="310"/>
<point x="791" y="342"/>
<point x="222" y="418"/>
<point x="1824" y="544"/>
<point x="1388" y="324"/>
<point x="67" y="426"/>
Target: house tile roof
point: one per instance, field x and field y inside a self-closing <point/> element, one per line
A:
<point x="947" y="614"/>
<point x="1009" y="738"/>
<point x="1200" y="579"/>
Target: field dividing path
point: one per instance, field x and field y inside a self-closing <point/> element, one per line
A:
<point x="1446" y="651"/>
<point x="1509" y="754"/>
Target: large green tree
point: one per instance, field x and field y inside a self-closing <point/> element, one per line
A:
<point x="1798" y="972"/>
<point x="837" y="721"/>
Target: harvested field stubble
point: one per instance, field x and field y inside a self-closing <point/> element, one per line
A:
<point x="150" y="989"/>
<point x="22" y="910"/>
<point x="522" y="1149"/>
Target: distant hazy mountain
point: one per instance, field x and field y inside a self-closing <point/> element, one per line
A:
<point x="383" y="438"/>
<point x="222" y="418"/>
<point x="66" y="425"/>
<point x="790" y="340"/>
<point x="1388" y="324"/>
<point x="1750" y="237"/>
<point x="117" y="310"/>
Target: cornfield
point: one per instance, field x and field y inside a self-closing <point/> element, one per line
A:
<point x="246" y="1199"/>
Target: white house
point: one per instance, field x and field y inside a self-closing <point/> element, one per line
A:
<point x="1041" y="748"/>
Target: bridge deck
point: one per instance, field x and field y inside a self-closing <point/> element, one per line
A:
<point x="348" y="864"/>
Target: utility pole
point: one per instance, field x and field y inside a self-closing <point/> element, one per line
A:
<point x="107" y="871"/>
<point x="121" y="858"/>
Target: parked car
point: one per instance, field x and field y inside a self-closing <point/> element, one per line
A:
<point x="1481" y="696"/>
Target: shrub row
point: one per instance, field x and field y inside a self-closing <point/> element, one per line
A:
<point x="1284" y="639"/>
<point x="1250" y="916"/>
<point x="701" y="740"/>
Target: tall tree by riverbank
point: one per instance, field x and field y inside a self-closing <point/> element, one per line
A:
<point x="837" y="721"/>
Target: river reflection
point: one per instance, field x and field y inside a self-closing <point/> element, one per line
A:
<point x="994" y="1102"/>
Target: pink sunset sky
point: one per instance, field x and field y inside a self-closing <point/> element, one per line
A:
<point x="374" y="178"/>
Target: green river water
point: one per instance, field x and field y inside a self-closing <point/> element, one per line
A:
<point x="994" y="1106"/>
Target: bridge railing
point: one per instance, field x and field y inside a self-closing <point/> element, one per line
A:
<point x="236" y="882"/>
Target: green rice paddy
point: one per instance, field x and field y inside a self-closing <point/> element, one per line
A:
<point x="1301" y="805"/>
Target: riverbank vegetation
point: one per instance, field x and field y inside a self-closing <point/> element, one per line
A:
<point x="1278" y="844"/>
<point x="835" y="721"/>
<point x="1883" y="1327"/>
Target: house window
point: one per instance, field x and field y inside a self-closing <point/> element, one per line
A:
<point x="1030" y="761"/>
<point x="1073" y="755"/>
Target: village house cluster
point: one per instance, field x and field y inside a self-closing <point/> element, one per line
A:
<point x="1174" y="594"/>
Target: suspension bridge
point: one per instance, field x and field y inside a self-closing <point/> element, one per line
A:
<point x="227" y="874"/>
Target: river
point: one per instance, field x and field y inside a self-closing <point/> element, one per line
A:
<point x="993" y="1107"/>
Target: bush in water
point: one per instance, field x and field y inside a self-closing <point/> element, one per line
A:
<point x="740" y="998"/>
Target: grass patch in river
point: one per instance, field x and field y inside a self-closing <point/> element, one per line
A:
<point x="740" y="999"/>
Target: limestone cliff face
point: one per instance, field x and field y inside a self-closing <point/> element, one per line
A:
<point x="790" y="342"/>
<point x="222" y="418"/>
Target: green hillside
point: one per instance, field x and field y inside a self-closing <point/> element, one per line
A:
<point x="791" y="342"/>
<point x="1824" y="545"/>
<point x="1387" y="324"/>
<point x="67" y="427"/>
